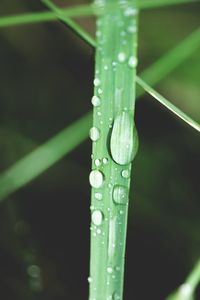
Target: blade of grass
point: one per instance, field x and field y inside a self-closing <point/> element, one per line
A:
<point x="73" y="25"/>
<point x="187" y="289"/>
<point x="33" y="164"/>
<point x="168" y="104"/>
<point x="77" y="11"/>
<point x="39" y="17"/>
<point x="114" y="148"/>
<point x="153" y="75"/>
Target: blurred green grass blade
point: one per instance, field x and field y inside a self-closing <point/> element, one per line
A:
<point x="171" y="60"/>
<point x="31" y="18"/>
<point x="145" y="4"/>
<point x="73" y="25"/>
<point x="168" y="104"/>
<point x="39" y="160"/>
<point x="187" y="290"/>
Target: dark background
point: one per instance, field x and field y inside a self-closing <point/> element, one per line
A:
<point x="46" y="75"/>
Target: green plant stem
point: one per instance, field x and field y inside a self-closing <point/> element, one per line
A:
<point x="187" y="289"/>
<point x="113" y="143"/>
<point x="33" y="164"/>
<point x="155" y="73"/>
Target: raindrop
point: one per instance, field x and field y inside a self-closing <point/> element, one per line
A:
<point x="126" y="174"/>
<point x="94" y="134"/>
<point x="132" y="62"/>
<point x="121" y="57"/>
<point x="109" y="270"/>
<point x="97" y="217"/>
<point x="120" y="194"/>
<point x="124" y="142"/>
<point x="96" y="101"/>
<point x="97" y="82"/>
<point x="98" y="196"/>
<point x="96" y="179"/>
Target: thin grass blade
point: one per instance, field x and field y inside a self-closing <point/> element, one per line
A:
<point x="168" y="104"/>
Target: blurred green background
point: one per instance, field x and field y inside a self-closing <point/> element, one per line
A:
<point x="46" y="75"/>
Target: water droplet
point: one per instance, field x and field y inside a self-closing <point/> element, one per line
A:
<point x="105" y="160"/>
<point x="96" y="101"/>
<point x="97" y="82"/>
<point x="132" y="62"/>
<point x="130" y="11"/>
<point x="97" y="162"/>
<point x="124" y="142"/>
<point x="100" y="91"/>
<point x="109" y="270"/>
<point x="99" y="231"/>
<point x="94" y="134"/>
<point x="96" y="179"/>
<point x="116" y="296"/>
<point x="97" y="217"/>
<point x="121" y="57"/>
<point x="120" y="194"/>
<point x="126" y="174"/>
<point x="33" y="271"/>
<point x="185" y="290"/>
<point x="90" y="279"/>
<point x="132" y="29"/>
<point x="98" y="196"/>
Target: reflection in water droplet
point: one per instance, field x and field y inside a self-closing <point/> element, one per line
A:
<point x="96" y="101"/>
<point x="94" y="134"/>
<point x="97" y="217"/>
<point x="96" y="179"/>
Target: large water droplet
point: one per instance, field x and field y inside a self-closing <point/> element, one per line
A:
<point x="124" y="142"/>
<point x="96" y="179"/>
<point x="120" y="194"/>
<point x="97" y="217"/>
<point x="94" y="134"/>
<point x="96" y="101"/>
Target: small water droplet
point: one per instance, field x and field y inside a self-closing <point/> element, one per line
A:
<point x="105" y="160"/>
<point x="132" y="29"/>
<point x="98" y="196"/>
<point x="97" y="217"/>
<point x="90" y="279"/>
<point x="132" y="62"/>
<point x="94" y="134"/>
<point x="126" y="174"/>
<point x="121" y="57"/>
<point x="100" y="91"/>
<point x="97" y="162"/>
<point x="105" y="67"/>
<point x="96" y="179"/>
<point x="185" y="290"/>
<point x="130" y="11"/>
<point x="96" y="101"/>
<point x="99" y="231"/>
<point x="116" y="296"/>
<point x="109" y="270"/>
<point x="97" y="82"/>
<point x="120" y="194"/>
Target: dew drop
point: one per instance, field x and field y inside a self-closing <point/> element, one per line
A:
<point x="121" y="57"/>
<point x="97" y="217"/>
<point x="100" y="91"/>
<point x="90" y="279"/>
<point x="96" y="179"/>
<point x="120" y="194"/>
<point x="96" y="101"/>
<point x="94" y="134"/>
<point x="97" y="82"/>
<point x="109" y="270"/>
<point x="99" y="231"/>
<point x="97" y="162"/>
<point x="185" y="290"/>
<point x="116" y="296"/>
<point x="105" y="161"/>
<point x="126" y="174"/>
<point x="132" y="62"/>
<point x="124" y="142"/>
<point x="98" y="196"/>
